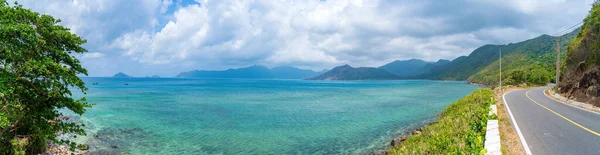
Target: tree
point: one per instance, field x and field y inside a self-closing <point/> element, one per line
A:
<point x="37" y="72"/>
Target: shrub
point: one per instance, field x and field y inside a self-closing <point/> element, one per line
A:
<point x="460" y="129"/>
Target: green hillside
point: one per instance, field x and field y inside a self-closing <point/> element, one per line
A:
<point x="463" y="67"/>
<point x="412" y="67"/>
<point x="532" y="62"/>
<point x="581" y="72"/>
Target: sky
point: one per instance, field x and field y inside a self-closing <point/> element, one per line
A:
<point x="165" y="37"/>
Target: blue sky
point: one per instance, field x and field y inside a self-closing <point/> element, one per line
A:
<point x="165" y="37"/>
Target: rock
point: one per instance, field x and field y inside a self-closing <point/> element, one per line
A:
<point x="383" y="153"/>
<point x="380" y="153"/>
<point x="64" y="118"/>
<point x="396" y="141"/>
<point x="83" y="147"/>
<point x="416" y="132"/>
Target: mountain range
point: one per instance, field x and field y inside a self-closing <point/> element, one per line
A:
<point x="412" y="68"/>
<point x="481" y="66"/>
<point x="253" y="72"/>
<point x="347" y="72"/>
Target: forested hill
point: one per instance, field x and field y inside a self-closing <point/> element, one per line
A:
<point x="581" y="72"/>
<point x="347" y="72"/>
<point x="531" y="62"/>
<point x="413" y="67"/>
<point x="463" y="67"/>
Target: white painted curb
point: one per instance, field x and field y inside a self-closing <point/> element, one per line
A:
<point x="492" y="138"/>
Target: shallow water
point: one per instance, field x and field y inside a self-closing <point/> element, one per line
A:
<point x="240" y="116"/>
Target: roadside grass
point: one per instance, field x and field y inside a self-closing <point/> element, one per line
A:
<point x="460" y="129"/>
<point x="510" y="143"/>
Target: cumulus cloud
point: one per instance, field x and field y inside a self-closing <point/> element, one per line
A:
<point x="92" y="55"/>
<point x="309" y="34"/>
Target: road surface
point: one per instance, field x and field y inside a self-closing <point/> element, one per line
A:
<point x="550" y="127"/>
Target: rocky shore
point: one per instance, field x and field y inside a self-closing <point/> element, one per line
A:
<point x="102" y="141"/>
<point x="398" y="140"/>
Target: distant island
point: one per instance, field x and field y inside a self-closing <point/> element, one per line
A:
<point x="253" y="72"/>
<point x="347" y="72"/>
<point x="121" y="75"/>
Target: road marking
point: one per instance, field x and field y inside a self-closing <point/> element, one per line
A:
<point x="569" y="104"/>
<point x="573" y="122"/>
<point x="523" y="142"/>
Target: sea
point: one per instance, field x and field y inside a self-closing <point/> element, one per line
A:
<point x="257" y="116"/>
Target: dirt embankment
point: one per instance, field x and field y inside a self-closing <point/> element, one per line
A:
<point x="582" y="84"/>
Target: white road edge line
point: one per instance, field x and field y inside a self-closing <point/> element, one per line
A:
<point x="523" y="142"/>
<point x="569" y="104"/>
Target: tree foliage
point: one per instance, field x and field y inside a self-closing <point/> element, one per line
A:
<point x="532" y="76"/>
<point x="37" y="72"/>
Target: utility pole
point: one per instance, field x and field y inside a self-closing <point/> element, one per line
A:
<point x="557" y="60"/>
<point x="500" y="50"/>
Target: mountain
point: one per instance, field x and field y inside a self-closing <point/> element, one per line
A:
<point x="528" y="62"/>
<point x="581" y="69"/>
<point x="347" y="72"/>
<point x="121" y="75"/>
<point x="252" y="72"/>
<point x="288" y="72"/>
<point x="403" y="68"/>
<point x="412" y="67"/>
<point x="463" y="67"/>
<point x="533" y="62"/>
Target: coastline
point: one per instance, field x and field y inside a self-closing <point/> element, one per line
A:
<point x="397" y="140"/>
<point x="467" y="116"/>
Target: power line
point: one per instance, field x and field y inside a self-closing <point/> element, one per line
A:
<point x="568" y="29"/>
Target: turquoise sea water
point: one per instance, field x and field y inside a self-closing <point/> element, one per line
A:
<point x="239" y="116"/>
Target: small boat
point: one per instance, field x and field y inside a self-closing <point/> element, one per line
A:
<point x="127" y="84"/>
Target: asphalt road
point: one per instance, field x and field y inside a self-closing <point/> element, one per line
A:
<point x="551" y="127"/>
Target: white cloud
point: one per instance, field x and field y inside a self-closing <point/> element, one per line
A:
<point x="165" y="5"/>
<point x="309" y="34"/>
<point x="92" y="55"/>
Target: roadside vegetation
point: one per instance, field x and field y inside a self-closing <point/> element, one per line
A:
<point x="37" y="73"/>
<point x="460" y="129"/>
<point x="581" y="68"/>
